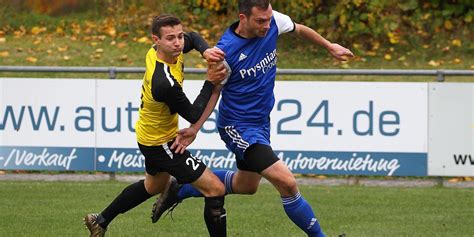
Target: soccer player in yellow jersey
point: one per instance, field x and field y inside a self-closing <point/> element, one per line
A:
<point x="162" y="99"/>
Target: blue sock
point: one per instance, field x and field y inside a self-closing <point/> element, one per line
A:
<point x="300" y="212"/>
<point x="226" y="176"/>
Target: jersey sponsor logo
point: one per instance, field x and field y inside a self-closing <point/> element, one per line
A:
<point x="268" y="62"/>
<point x="242" y="57"/>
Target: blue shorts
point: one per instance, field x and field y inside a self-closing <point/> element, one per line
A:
<point x="238" y="139"/>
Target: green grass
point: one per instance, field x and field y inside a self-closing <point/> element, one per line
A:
<point x="56" y="209"/>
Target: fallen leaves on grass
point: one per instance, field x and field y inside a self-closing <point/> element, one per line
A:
<point x="4" y="54"/>
<point x="37" y="30"/>
<point x="456" y="42"/>
<point x="434" y="63"/>
<point x="143" y="39"/>
<point x="31" y="59"/>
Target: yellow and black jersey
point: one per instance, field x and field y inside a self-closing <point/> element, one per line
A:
<point x="162" y="97"/>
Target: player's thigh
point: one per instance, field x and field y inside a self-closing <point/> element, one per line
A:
<point x="155" y="184"/>
<point x="245" y="182"/>
<point x="282" y="179"/>
<point x="209" y="184"/>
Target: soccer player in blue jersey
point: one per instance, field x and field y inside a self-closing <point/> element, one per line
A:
<point x="244" y="110"/>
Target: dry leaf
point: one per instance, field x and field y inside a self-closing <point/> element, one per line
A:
<point x="3" y="40"/>
<point x="387" y="57"/>
<point x="121" y="45"/>
<point x="4" y="54"/>
<point x="37" y="30"/>
<point x="453" y="180"/>
<point x="434" y="63"/>
<point x="99" y="50"/>
<point x="62" y="49"/>
<point x="123" y="57"/>
<point x="143" y="39"/>
<point x="49" y="51"/>
<point x="111" y="31"/>
<point x="32" y="59"/>
<point x="66" y="58"/>
<point x="345" y="65"/>
<point x="59" y="31"/>
<point x="448" y="25"/>
<point x="456" y="42"/>
<point x="402" y="58"/>
<point x="457" y="60"/>
<point x="426" y="46"/>
<point x="93" y="43"/>
<point x="371" y="53"/>
<point x="393" y="38"/>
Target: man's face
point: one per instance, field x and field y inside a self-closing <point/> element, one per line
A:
<point x="172" y="40"/>
<point x="258" y="23"/>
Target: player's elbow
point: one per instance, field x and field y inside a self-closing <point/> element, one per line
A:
<point x="193" y="117"/>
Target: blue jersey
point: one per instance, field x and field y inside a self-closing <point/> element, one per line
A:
<point x="247" y="96"/>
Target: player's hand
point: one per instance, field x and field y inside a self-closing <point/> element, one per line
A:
<point x="217" y="72"/>
<point x="185" y="137"/>
<point x="213" y="55"/>
<point x="340" y="52"/>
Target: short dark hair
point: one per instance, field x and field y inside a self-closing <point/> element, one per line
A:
<point x="245" y="6"/>
<point x="162" y="21"/>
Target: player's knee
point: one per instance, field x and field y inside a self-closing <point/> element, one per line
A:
<point x="152" y="188"/>
<point x="214" y="190"/>
<point x="251" y="189"/>
<point x="288" y="186"/>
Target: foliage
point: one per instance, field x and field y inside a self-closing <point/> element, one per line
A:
<point x="368" y="22"/>
<point x="435" y="33"/>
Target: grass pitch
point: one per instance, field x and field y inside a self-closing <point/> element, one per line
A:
<point x="34" y="208"/>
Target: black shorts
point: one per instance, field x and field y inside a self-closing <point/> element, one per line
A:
<point x="257" y="158"/>
<point x="184" y="167"/>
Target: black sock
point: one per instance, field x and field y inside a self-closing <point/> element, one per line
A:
<point x="215" y="216"/>
<point x="131" y="196"/>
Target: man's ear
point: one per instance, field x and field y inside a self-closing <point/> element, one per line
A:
<point x="242" y="17"/>
<point x="155" y="38"/>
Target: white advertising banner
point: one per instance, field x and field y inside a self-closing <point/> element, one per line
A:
<point x="451" y="129"/>
<point x="352" y="128"/>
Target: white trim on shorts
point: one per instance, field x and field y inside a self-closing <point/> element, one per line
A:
<point x="167" y="149"/>
<point x="236" y="138"/>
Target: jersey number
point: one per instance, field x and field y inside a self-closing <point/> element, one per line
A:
<point x="193" y="162"/>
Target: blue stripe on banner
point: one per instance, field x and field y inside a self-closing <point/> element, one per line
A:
<point x="131" y="160"/>
<point x="119" y="159"/>
<point x="340" y="163"/>
<point x="46" y="158"/>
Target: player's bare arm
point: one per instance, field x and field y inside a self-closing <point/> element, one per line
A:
<point x="213" y="55"/>
<point x="337" y="51"/>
